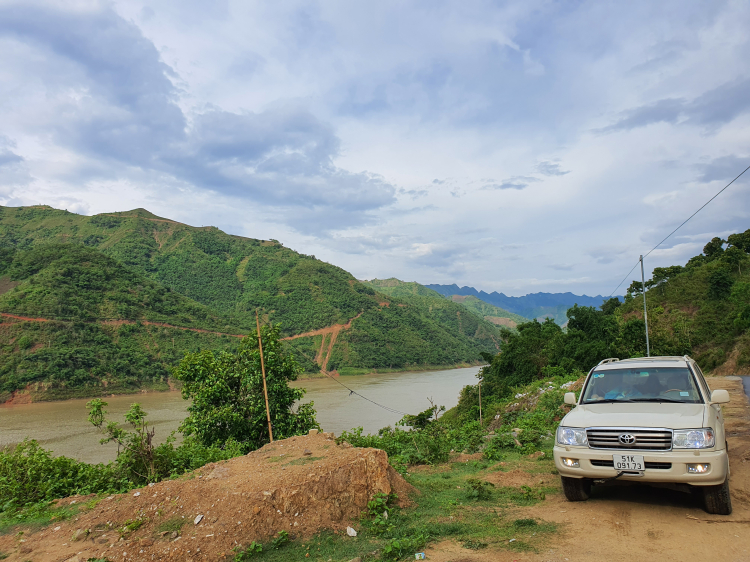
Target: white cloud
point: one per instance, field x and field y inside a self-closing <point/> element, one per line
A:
<point x="484" y="144"/>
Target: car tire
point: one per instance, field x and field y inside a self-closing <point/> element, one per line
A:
<point x="576" y="489"/>
<point x="716" y="499"/>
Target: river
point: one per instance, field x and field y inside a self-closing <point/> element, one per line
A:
<point x="63" y="428"/>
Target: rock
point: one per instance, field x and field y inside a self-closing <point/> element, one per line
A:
<point x="80" y="535"/>
<point x="174" y="535"/>
<point x="307" y="452"/>
<point x="312" y="432"/>
<point x="136" y="494"/>
<point x="197" y="519"/>
<point x="351" y="532"/>
<point x="536" y="455"/>
<point x="146" y="542"/>
<point x="346" y="445"/>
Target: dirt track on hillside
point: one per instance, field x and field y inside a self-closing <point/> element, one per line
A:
<point x="330" y="334"/>
<point x="639" y="522"/>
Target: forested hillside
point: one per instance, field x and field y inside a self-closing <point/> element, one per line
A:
<point x="489" y="312"/>
<point x="99" y="285"/>
<point x="435" y="301"/>
<point x="701" y="309"/>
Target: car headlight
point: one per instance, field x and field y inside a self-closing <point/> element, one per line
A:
<point x="571" y="436"/>
<point x="693" y="438"/>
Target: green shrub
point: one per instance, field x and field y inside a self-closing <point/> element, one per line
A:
<point x="30" y="474"/>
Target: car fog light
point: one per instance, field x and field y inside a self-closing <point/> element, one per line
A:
<point x="698" y="468"/>
<point x="570" y="463"/>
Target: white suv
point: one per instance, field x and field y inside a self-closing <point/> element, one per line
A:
<point x="647" y="419"/>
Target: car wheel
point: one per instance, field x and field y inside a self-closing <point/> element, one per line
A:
<point x="716" y="499"/>
<point x="576" y="489"/>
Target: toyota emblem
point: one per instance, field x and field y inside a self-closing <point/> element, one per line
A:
<point x="627" y="439"/>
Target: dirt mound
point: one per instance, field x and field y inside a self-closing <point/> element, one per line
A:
<point x="300" y="485"/>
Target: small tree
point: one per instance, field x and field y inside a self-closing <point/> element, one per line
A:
<point x="136" y="452"/>
<point x="226" y="390"/>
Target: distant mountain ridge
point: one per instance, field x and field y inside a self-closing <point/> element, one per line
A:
<point x="533" y="305"/>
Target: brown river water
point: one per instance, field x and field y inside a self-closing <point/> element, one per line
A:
<point x="63" y="427"/>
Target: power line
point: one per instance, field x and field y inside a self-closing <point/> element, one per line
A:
<point x="679" y="227"/>
<point x="698" y="211"/>
<point x="392" y="410"/>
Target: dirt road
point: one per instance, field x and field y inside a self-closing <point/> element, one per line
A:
<point x="638" y="522"/>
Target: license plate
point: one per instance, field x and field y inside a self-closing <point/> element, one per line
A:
<point x="629" y="462"/>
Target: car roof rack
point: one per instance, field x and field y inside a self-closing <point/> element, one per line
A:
<point x="658" y="358"/>
<point x="605" y="361"/>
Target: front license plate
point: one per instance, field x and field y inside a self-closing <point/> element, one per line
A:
<point x="629" y="462"/>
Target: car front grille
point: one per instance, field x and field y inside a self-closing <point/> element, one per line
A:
<point x="649" y="465"/>
<point x="645" y="439"/>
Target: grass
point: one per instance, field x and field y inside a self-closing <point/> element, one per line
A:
<point x="174" y="524"/>
<point x="445" y="509"/>
<point x="35" y="517"/>
<point x="303" y="460"/>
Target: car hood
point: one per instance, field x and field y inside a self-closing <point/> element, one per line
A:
<point x="637" y="414"/>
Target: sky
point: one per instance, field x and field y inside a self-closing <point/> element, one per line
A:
<point x="517" y="146"/>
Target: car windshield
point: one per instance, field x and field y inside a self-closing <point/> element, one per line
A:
<point x="664" y="384"/>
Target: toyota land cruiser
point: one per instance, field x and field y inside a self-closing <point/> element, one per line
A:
<point x="651" y="420"/>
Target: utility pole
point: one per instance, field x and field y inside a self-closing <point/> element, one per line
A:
<point x="645" y="314"/>
<point x="263" y="370"/>
<point x="480" y="402"/>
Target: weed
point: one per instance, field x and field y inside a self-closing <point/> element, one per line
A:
<point x="525" y="523"/>
<point x="479" y="489"/>
<point x="303" y="460"/>
<point x="282" y="537"/>
<point x="249" y="552"/>
<point x="395" y="549"/>
<point x="474" y="545"/>
<point x="131" y="526"/>
<point x="171" y="525"/>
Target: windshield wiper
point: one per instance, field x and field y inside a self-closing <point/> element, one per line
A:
<point x="659" y="400"/>
<point x="608" y="400"/>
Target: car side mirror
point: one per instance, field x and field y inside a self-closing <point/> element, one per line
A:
<point x="719" y="396"/>
<point x="570" y="398"/>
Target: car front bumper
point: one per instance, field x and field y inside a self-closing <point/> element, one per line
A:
<point x="676" y="473"/>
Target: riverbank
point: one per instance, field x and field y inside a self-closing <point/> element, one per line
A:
<point x="357" y="371"/>
<point x="62" y="426"/>
<point x="36" y="393"/>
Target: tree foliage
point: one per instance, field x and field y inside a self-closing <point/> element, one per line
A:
<point x="226" y="390"/>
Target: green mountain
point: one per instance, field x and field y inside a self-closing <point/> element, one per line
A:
<point x="82" y="323"/>
<point x="103" y="283"/>
<point x="444" y="311"/>
<point x="489" y="312"/>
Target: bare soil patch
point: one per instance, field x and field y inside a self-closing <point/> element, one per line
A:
<point x="301" y="485"/>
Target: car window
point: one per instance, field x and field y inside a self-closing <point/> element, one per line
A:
<point x="642" y="385"/>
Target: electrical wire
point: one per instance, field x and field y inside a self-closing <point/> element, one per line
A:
<point x="388" y="408"/>
<point x="679" y="227"/>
